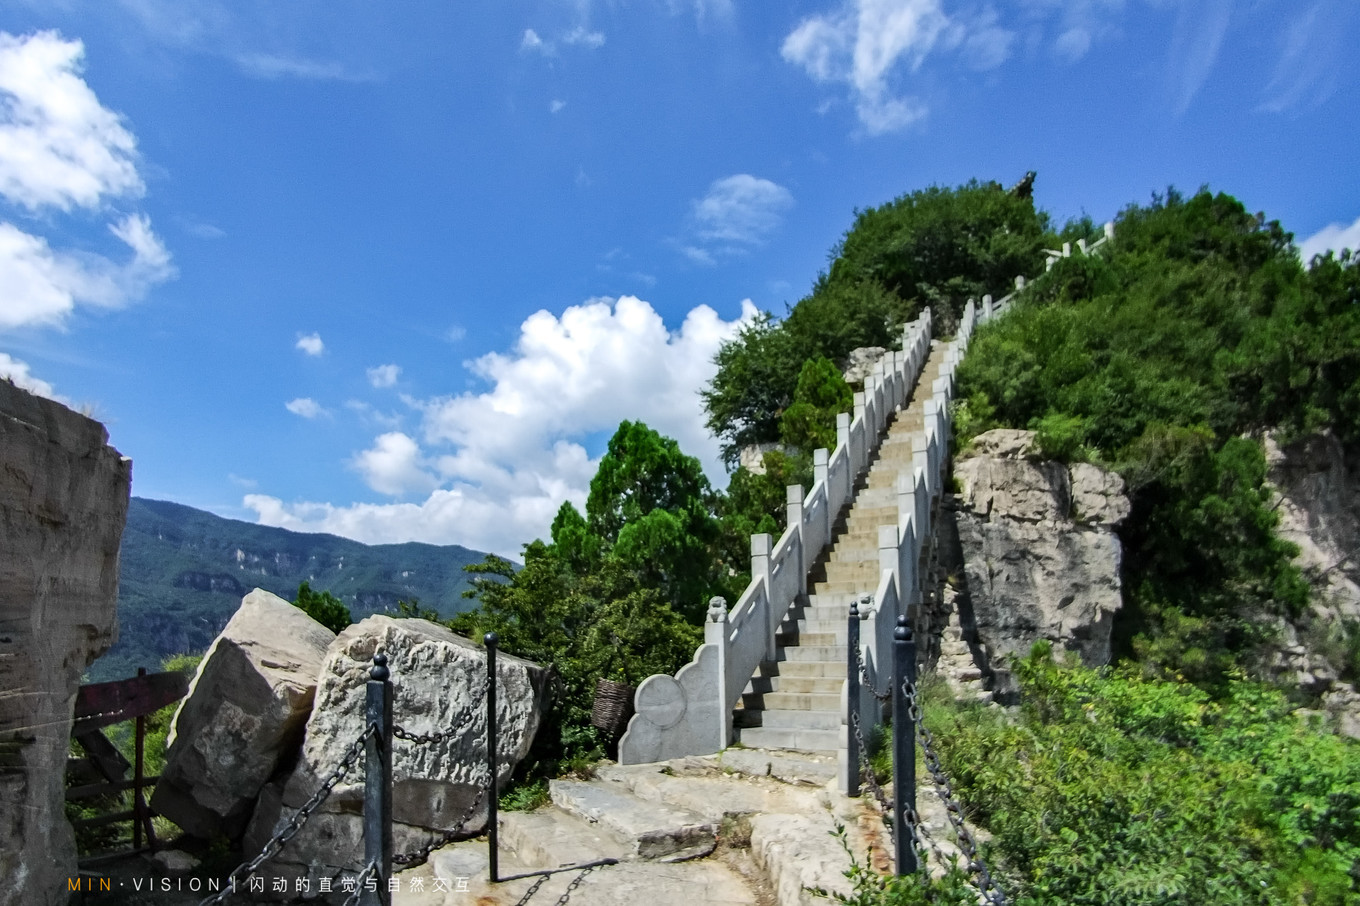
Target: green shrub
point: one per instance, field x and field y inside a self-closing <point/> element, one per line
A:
<point x="324" y="607"/>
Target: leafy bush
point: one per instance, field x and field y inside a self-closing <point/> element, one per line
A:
<point x="324" y="607"/>
<point x="1119" y="789"/>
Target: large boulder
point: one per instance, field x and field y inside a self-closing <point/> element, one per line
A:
<point x="243" y="717"/>
<point x="1040" y="556"/>
<point x="63" y="503"/>
<point x="439" y="682"/>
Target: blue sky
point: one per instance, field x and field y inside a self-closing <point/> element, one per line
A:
<point x="397" y="270"/>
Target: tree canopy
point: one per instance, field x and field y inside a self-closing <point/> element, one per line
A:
<point x="934" y="247"/>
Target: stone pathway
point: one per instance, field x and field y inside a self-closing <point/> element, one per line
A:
<point x="745" y="826"/>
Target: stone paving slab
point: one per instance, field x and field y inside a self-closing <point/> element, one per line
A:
<point x="551" y="838"/>
<point x="647" y="830"/>
<point x="712" y="793"/>
<point x="624" y="884"/>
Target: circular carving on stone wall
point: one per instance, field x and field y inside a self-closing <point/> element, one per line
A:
<point x="661" y="700"/>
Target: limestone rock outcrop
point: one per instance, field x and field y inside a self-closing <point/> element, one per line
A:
<point x="243" y="717"/>
<point x="1317" y="497"/>
<point x="1040" y="556"/>
<point x="63" y="503"/>
<point x="860" y="363"/>
<point x="438" y="683"/>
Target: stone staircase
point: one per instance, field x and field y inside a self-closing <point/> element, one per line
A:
<point x="793" y="702"/>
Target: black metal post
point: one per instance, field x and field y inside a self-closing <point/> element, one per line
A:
<point x="493" y="855"/>
<point x="378" y="783"/>
<point x="904" y="745"/>
<point x="852" y="715"/>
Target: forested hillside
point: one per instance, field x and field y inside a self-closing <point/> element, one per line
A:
<point x="183" y="572"/>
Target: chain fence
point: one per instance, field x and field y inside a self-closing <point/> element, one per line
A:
<point x="299" y="818"/>
<point x="921" y="839"/>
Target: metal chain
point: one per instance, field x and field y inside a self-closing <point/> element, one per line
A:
<point x="864" y="679"/>
<point x="871" y="781"/>
<point x="446" y="837"/>
<point x="990" y="890"/>
<point x="359" y="882"/>
<point x="566" y="895"/>
<point x="473" y="708"/>
<point x="299" y="818"/>
<point x="533" y="889"/>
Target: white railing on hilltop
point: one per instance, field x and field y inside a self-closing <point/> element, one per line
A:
<point x="691" y="712"/>
<point x="901" y="547"/>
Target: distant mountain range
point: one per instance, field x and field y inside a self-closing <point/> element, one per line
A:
<point x="184" y="571"/>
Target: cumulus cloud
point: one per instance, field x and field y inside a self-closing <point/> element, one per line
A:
<point x="384" y="375"/>
<point x="61" y="150"/>
<point x="42" y="286"/>
<point x="59" y="147"/>
<point x="394" y="466"/>
<point x="305" y="407"/>
<point x="310" y="344"/>
<point x="1333" y="237"/>
<point x="557" y="105"/>
<point x="19" y="374"/>
<point x="496" y="465"/>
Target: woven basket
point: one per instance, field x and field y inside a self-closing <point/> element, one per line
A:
<point x="613" y="706"/>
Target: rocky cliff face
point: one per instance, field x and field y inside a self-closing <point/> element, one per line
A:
<point x="1039" y="556"/>
<point x="1317" y="486"/>
<point x="63" y="502"/>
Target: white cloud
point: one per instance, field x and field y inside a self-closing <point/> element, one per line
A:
<point x="741" y="209"/>
<point x="273" y="66"/>
<point x="384" y="375"/>
<point x="557" y="105"/>
<point x="394" y="466"/>
<point x="456" y="333"/>
<point x="1333" y="237"/>
<point x="21" y="376"/>
<point x="505" y="459"/>
<point x="310" y="344"/>
<point x="583" y="37"/>
<point x="42" y="286"/>
<point x="59" y="146"/>
<point x="861" y="44"/>
<point x="305" y="407"/>
<point x="1073" y="43"/>
<point x="61" y="149"/>
<point x="1200" y="28"/>
<point x="532" y="42"/>
<point x="1308" y="64"/>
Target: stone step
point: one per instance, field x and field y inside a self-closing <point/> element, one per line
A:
<point x="794" y="701"/>
<point x="795" y="720"/>
<point x="805" y="653"/>
<point x="802" y="740"/>
<point x="816" y="685"/>
<point x="550" y="838"/>
<point x="807" y="668"/>
<point x="702" y="787"/>
<point x="646" y="830"/>
<point x="798" y="638"/>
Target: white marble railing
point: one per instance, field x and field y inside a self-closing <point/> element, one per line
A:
<point x="691" y="712"/>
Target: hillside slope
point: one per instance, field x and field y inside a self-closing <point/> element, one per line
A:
<point x="183" y="572"/>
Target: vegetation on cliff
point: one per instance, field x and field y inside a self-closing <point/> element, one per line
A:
<point x="1166" y="356"/>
